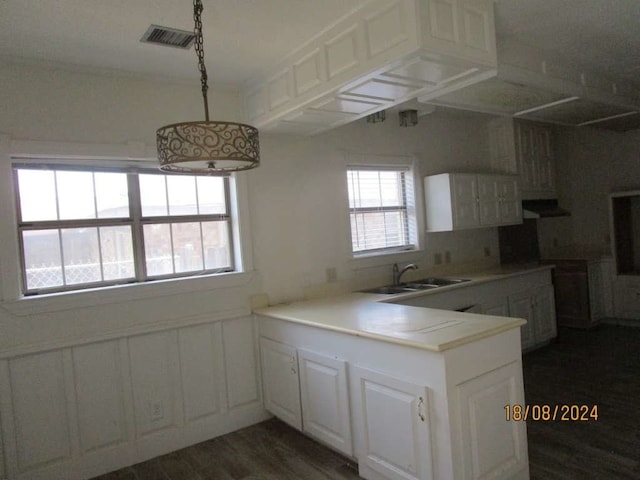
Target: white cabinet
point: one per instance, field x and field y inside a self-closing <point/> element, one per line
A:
<point x="536" y="305"/>
<point x="494" y="448"/>
<point x="525" y="148"/>
<point x="308" y="391"/>
<point x="379" y="55"/>
<point x="280" y="381"/>
<point x="499" y="200"/>
<point x="535" y="160"/>
<point x="392" y="417"/>
<point x="521" y="306"/>
<point x="529" y="296"/>
<point x="497" y="307"/>
<point x="325" y="399"/>
<point x="416" y="414"/>
<point x="456" y="201"/>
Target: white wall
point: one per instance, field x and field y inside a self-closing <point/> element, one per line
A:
<point x="65" y="106"/>
<point x="299" y="200"/>
<point x="591" y="164"/>
<point x="140" y="343"/>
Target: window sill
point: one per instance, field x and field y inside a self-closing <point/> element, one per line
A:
<point x="56" y="302"/>
<point x="386" y="258"/>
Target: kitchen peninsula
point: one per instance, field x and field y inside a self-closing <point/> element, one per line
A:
<point x="408" y="392"/>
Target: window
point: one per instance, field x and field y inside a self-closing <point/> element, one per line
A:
<point x="81" y="228"/>
<point x="379" y="200"/>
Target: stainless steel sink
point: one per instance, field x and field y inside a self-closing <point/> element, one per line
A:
<point x="390" y="289"/>
<point x="416" y="286"/>
<point x="420" y="286"/>
<point x="439" y="281"/>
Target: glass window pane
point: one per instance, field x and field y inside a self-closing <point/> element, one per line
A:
<point x="391" y="189"/>
<point x="43" y="267"/>
<point x="217" y="253"/>
<point x="211" y="198"/>
<point x="76" y="198"/>
<point x="187" y="246"/>
<point x="182" y="195"/>
<point x="116" y="245"/>
<point x="37" y="195"/>
<point x="112" y="195"/>
<point x="81" y="255"/>
<point x="153" y="195"/>
<point x="158" y="252"/>
<point x="367" y="193"/>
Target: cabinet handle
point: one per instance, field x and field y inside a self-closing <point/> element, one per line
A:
<point x="293" y="366"/>
<point x="421" y="414"/>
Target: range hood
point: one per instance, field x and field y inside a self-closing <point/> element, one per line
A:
<point x="543" y="209"/>
<point x="530" y="86"/>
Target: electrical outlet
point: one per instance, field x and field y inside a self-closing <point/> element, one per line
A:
<point x="332" y="274"/>
<point x="487" y="252"/>
<point x="447" y="257"/>
<point x="156" y="411"/>
<point x="437" y="258"/>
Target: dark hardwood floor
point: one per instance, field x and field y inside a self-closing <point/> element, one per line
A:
<point x="270" y="450"/>
<point x="596" y="367"/>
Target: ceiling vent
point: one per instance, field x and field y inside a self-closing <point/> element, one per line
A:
<point x="170" y="37"/>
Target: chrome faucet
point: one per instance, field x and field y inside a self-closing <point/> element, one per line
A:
<point x="398" y="273"/>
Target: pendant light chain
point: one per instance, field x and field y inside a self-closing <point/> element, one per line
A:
<point x="206" y="147"/>
<point x="197" y="13"/>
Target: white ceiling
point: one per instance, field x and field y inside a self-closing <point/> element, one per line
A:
<point x="243" y="37"/>
<point x="601" y="35"/>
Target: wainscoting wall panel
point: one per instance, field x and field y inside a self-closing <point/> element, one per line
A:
<point x="241" y="363"/>
<point x="81" y="411"/>
<point x="39" y="410"/>
<point x="200" y="370"/>
<point x="153" y="357"/>
<point x="99" y="395"/>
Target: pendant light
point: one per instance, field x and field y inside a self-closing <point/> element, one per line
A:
<point x="206" y="147"/>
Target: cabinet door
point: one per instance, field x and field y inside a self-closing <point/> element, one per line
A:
<point x="325" y="400"/>
<point x="544" y="160"/>
<point x="393" y="426"/>
<point x="521" y="306"/>
<point x="502" y="145"/>
<point x="500" y="309"/>
<point x="572" y="294"/>
<point x="544" y="314"/>
<point x="510" y="200"/>
<point x="280" y="381"/>
<point x="489" y="199"/>
<point x="465" y="201"/>
<point x="526" y="157"/>
<point x="492" y="448"/>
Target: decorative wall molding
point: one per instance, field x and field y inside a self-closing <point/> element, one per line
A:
<point x="82" y="410"/>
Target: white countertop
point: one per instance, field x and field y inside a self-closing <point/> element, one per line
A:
<point x="371" y="316"/>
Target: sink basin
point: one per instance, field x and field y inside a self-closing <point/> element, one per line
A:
<point x="390" y="289"/>
<point x="423" y="284"/>
<point x="420" y="286"/>
<point x="439" y="282"/>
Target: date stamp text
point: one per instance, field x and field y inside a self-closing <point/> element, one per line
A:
<point x="545" y="413"/>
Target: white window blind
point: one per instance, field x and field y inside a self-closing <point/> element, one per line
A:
<point x="378" y="208"/>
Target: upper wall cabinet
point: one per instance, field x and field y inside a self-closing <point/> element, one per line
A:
<point x="457" y="201"/>
<point x="524" y="148"/>
<point x="385" y="53"/>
